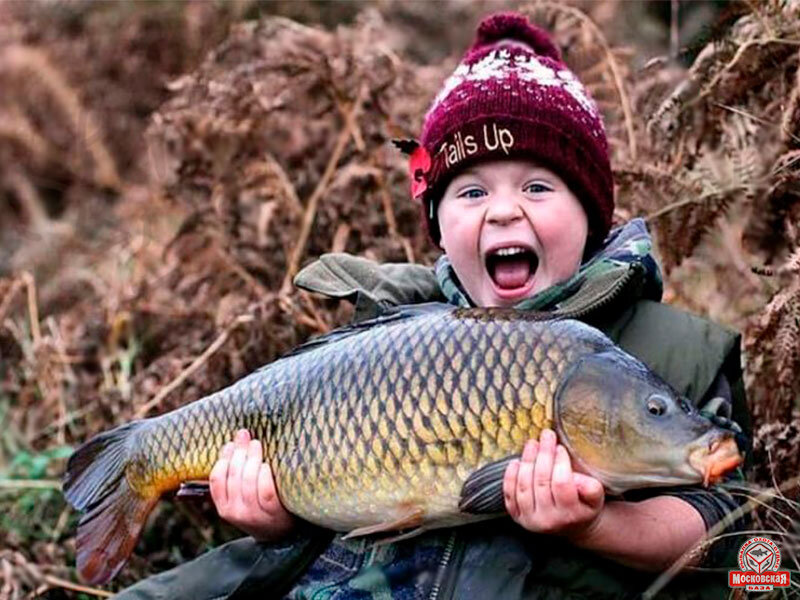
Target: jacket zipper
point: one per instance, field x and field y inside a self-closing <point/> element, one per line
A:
<point x="635" y="271"/>
<point x="442" y="570"/>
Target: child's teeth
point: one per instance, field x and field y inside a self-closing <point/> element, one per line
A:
<point x="509" y="251"/>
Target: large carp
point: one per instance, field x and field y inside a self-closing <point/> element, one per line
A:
<point x="407" y="421"/>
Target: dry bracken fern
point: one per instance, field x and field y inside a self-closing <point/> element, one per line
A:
<point x="280" y="137"/>
<point x="719" y="168"/>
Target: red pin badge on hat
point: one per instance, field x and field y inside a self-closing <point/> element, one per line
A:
<point x="418" y="165"/>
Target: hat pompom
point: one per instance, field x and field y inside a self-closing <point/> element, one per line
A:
<point x="514" y="26"/>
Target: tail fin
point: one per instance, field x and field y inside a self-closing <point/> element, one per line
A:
<point x="95" y="483"/>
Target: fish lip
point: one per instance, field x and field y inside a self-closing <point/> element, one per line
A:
<point x="714" y="455"/>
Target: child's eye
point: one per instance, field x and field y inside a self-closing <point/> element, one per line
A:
<point x="537" y="188"/>
<point x="472" y="193"/>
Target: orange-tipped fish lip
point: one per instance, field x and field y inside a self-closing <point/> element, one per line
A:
<point x="715" y="470"/>
<point x="720" y="457"/>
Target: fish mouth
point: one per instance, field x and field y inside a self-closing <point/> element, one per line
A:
<point x="714" y="460"/>
<point x="511" y="267"/>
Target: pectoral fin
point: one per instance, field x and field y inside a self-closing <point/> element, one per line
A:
<point x="483" y="491"/>
<point x="412" y="518"/>
<point x="193" y="489"/>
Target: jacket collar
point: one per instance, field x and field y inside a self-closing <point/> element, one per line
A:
<point x="625" y="247"/>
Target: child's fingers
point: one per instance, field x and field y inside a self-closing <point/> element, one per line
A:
<point x="565" y="492"/>
<point x="543" y="471"/>
<point x="238" y="458"/>
<point x="510" y="488"/>
<point x="590" y="490"/>
<point x="525" y="499"/>
<point x="266" y="488"/>
<point x="218" y="477"/>
<point x="530" y="450"/>
<point x="250" y="474"/>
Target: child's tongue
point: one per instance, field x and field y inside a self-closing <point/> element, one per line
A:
<point x="510" y="273"/>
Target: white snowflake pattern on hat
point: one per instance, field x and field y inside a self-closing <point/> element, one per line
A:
<point x="575" y="87"/>
<point x="500" y="64"/>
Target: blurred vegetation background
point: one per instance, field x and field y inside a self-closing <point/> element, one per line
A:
<point x="166" y="167"/>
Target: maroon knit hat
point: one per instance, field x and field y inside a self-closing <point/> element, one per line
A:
<point x="513" y="96"/>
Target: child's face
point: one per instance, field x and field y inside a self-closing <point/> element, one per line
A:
<point x="511" y="228"/>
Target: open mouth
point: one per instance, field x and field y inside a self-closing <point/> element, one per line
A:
<point x="511" y="268"/>
<point x="715" y="460"/>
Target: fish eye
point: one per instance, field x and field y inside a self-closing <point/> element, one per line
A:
<point x="656" y="405"/>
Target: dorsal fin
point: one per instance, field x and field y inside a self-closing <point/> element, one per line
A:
<point x="496" y="313"/>
<point x="392" y="315"/>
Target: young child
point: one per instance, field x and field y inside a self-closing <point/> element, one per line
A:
<point x="513" y="177"/>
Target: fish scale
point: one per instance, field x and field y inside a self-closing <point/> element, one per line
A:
<point x="428" y="448"/>
<point x="407" y="421"/>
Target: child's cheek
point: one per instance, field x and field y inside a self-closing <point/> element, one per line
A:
<point x="459" y="232"/>
<point x="562" y="229"/>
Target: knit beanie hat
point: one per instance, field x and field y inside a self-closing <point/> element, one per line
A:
<point x="512" y="96"/>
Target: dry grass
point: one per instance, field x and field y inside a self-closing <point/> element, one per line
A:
<point x="139" y="272"/>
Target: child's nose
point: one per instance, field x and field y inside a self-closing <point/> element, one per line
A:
<point x="503" y="210"/>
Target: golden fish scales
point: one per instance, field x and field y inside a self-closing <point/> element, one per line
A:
<point x="376" y="426"/>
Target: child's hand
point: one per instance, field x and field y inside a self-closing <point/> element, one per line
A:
<point x="244" y="493"/>
<point x="544" y="495"/>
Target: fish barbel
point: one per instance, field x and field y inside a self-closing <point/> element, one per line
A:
<point x="405" y="422"/>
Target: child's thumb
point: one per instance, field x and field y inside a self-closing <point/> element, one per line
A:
<point x="590" y="489"/>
